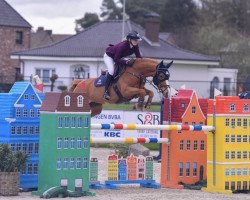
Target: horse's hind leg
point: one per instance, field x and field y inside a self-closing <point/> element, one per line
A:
<point x="96" y="108"/>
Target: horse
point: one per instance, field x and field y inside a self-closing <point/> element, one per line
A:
<point x="129" y="84"/>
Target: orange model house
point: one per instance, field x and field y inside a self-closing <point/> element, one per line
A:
<point x="132" y="167"/>
<point x="184" y="159"/>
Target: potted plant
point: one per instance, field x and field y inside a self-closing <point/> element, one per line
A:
<point x="10" y="166"/>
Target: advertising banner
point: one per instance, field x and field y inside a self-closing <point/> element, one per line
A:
<point x="126" y="117"/>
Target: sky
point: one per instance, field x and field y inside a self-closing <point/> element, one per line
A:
<point x="56" y="15"/>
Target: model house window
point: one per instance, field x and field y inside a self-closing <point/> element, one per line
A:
<point x="85" y="163"/>
<point x="233" y="123"/>
<point x="227" y="155"/>
<point x="78" y="163"/>
<point x="244" y="171"/>
<point x="193" y="123"/>
<point x="73" y="122"/>
<point x="25" y="130"/>
<point x="201" y="123"/>
<point x="194" y="169"/>
<point x="226" y="185"/>
<point x="29" y="169"/>
<point x="66" y="143"/>
<point x="232" y="138"/>
<point x="59" y="164"/>
<point x="66" y="122"/>
<point x="60" y="122"/>
<point x="238" y="122"/>
<point x="244" y="154"/>
<point x="195" y="145"/>
<point x="85" y="143"/>
<point x="45" y="74"/>
<point x="18" y="112"/>
<point x="72" y="143"/>
<point x="26" y="97"/>
<point x="86" y="122"/>
<point x="67" y="100"/>
<point x="187" y="169"/>
<point x="25" y="148"/>
<point x="227" y="172"/>
<point x="65" y="163"/>
<point x="36" y="129"/>
<point x="232" y="154"/>
<point x="244" y="138"/>
<point x="232" y="107"/>
<point x="79" y="124"/>
<point x="79" y="143"/>
<point x="245" y="108"/>
<point x="59" y="143"/>
<point x="232" y="184"/>
<point x="32" y="96"/>
<point x="19" y="130"/>
<point x="38" y="112"/>
<point x="227" y="138"/>
<point x="181" y="145"/>
<point x="239" y="171"/>
<point x="13" y="130"/>
<point x="36" y="148"/>
<point x="188" y="144"/>
<point x="32" y="113"/>
<point x="19" y="37"/>
<point x="185" y="123"/>
<point x="35" y="168"/>
<point x="30" y="150"/>
<point x="180" y="169"/>
<point x="193" y="110"/>
<point x="72" y="163"/>
<point x="232" y="172"/>
<point x="80" y="101"/>
<point x="31" y="130"/>
<point x="238" y="138"/>
<point x="244" y="123"/>
<point x="182" y="105"/>
<point x="25" y="113"/>
<point x="238" y="154"/>
<point x="202" y="145"/>
<point x="227" y="122"/>
<point x="13" y="147"/>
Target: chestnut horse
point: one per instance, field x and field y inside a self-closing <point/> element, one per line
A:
<point x="131" y="84"/>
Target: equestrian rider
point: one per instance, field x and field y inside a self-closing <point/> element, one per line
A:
<point x="115" y="54"/>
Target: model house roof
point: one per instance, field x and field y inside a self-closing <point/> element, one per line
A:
<point x="55" y="102"/>
<point x="93" y="41"/>
<point x="10" y="17"/>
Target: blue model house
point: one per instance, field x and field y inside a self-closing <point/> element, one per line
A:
<point x="122" y="169"/>
<point x="19" y="122"/>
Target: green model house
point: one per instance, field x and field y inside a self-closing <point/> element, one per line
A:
<point x="64" y="145"/>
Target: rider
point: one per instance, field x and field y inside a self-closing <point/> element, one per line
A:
<point x="115" y="53"/>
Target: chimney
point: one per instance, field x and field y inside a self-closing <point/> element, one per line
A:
<point x="49" y="32"/>
<point x="152" y="28"/>
<point x="40" y="28"/>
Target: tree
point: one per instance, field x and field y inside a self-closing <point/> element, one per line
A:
<point x="89" y="19"/>
<point x="111" y="10"/>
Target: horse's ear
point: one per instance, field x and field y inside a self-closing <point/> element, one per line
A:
<point x="169" y="64"/>
<point x="161" y="63"/>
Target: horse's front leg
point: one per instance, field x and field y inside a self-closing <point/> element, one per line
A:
<point x="150" y="94"/>
<point x="141" y="93"/>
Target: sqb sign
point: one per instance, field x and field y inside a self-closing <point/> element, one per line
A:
<point x="112" y="134"/>
<point x="149" y="118"/>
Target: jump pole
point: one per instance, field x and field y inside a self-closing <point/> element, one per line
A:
<point x="128" y="140"/>
<point x="151" y="127"/>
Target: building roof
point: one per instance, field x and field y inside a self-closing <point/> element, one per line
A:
<point x="54" y="102"/>
<point x="93" y="41"/>
<point x="10" y="17"/>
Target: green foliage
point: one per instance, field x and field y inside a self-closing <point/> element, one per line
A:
<point x="111" y="10"/>
<point x="121" y="150"/>
<point x="89" y="19"/>
<point x="11" y="162"/>
<point x="63" y="88"/>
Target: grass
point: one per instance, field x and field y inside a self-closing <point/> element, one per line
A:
<point x="129" y="107"/>
<point x="150" y="146"/>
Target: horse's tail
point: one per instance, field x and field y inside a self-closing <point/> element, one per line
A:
<point x="74" y="84"/>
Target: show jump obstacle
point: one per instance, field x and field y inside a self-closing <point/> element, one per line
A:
<point x="128" y="140"/>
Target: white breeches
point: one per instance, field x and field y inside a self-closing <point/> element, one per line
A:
<point x="109" y="63"/>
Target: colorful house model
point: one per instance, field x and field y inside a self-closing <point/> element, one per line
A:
<point x="122" y="169"/>
<point x="184" y="159"/>
<point x="19" y="122"/>
<point x="149" y="171"/>
<point x="113" y="167"/>
<point x="64" y="142"/>
<point x="141" y="167"/>
<point x="228" y="162"/>
<point x="93" y="170"/>
<point x="132" y="167"/>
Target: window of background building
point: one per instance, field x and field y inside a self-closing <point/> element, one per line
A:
<point x="45" y="74"/>
<point x="19" y="37"/>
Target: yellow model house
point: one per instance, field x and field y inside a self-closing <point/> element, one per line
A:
<point x="228" y="148"/>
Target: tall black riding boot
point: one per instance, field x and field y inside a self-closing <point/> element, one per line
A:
<point x="107" y="84"/>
